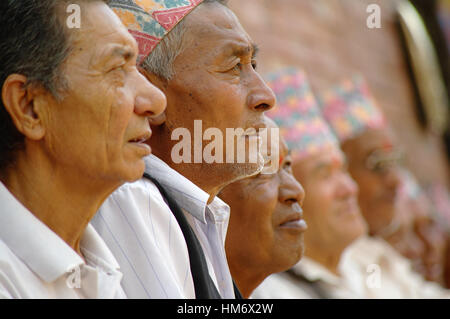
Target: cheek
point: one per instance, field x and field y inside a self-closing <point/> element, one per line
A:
<point x="369" y="185"/>
<point x="220" y="105"/>
<point x="118" y="112"/>
<point x="76" y="124"/>
<point x="318" y="199"/>
<point x="264" y="202"/>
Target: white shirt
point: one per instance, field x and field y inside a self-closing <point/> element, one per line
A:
<point x="36" y="263"/>
<point x="374" y="269"/>
<point x="370" y="268"/>
<point x="289" y="285"/>
<point x="147" y="241"/>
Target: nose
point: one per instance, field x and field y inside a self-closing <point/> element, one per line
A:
<point x="149" y="101"/>
<point x="290" y="190"/>
<point x="347" y="186"/>
<point x="260" y="98"/>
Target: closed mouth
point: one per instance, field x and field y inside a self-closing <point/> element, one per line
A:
<point x="295" y="221"/>
<point x="141" y="139"/>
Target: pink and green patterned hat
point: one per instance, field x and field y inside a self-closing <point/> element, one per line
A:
<point x="150" y="20"/>
<point x="297" y="114"/>
<point x="350" y="109"/>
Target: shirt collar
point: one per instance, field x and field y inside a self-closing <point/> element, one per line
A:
<point x="220" y="210"/>
<point x="42" y="250"/>
<point x="96" y="252"/>
<point x="314" y="271"/>
<point x="189" y="196"/>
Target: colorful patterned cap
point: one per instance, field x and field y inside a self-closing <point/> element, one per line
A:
<point x="350" y="109"/>
<point x="150" y="20"/>
<point x="297" y="114"/>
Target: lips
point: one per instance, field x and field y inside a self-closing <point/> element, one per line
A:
<point x="139" y="145"/>
<point x="141" y="138"/>
<point x="138" y="140"/>
<point x="253" y="129"/>
<point x="295" y="220"/>
<point x="296" y="223"/>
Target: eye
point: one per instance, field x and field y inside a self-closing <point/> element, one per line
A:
<point x="254" y="65"/>
<point x="325" y="172"/>
<point x="117" y="68"/>
<point x="287" y="165"/>
<point x="236" y="68"/>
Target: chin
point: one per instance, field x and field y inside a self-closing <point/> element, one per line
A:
<point x="294" y="250"/>
<point x="290" y="258"/>
<point x="133" y="171"/>
<point x="225" y="173"/>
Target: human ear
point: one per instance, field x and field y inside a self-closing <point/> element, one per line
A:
<point x="19" y="100"/>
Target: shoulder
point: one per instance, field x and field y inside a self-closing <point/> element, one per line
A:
<point x="12" y="269"/>
<point x="7" y="258"/>
<point x="280" y="286"/>
<point x="142" y="187"/>
<point x="134" y="195"/>
<point x="131" y="203"/>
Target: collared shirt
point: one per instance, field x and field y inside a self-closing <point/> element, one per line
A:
<point x="374" y="269"/>
<point x="370" y="268"/>
<point x="36" y="263"/>
<point x="306" y="280"/>
<point x="148" y="243"/>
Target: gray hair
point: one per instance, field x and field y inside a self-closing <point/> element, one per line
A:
<point x="160" y="60"/>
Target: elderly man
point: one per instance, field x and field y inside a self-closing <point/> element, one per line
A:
<point x="330" y="206"/>
<point x="371" y="150"/>
<point x="420" y="220"/>
<point x="266" y="229"/>
<point x="374" y="164"/>
<point x="331" y="268"/>
<point x="172" y="245"/>
<point x="74" y="111"/>
<point x="405" y="239"/>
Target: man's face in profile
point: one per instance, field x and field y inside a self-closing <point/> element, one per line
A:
<point x="331" y="205"/>
<point x="266" y="226"/>
<point x="374" y="164"/>
<point x="99" y="126"/>
<point x="215" y="81"/>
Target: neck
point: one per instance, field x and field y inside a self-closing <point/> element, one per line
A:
<point x="246" y="278"/>
<point x="328" y="258"/>
<point x="203" y="175"/>
<point x="61" y="199"/>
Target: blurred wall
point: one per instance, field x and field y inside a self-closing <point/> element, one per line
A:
<point x="329" y="39"/>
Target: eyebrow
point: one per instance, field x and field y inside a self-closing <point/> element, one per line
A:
<point x="126" y="53"/>
<point x="244" y="50"/>
<point x="321" y="165"/>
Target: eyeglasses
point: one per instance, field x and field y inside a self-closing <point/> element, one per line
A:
<point x="380" y="161"/>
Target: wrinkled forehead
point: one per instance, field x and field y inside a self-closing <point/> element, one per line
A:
<point x="217" y="23"/>
<point x="370" y="141"/>
<point x="99" y="25"/>
<point x="330" y="156"/>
